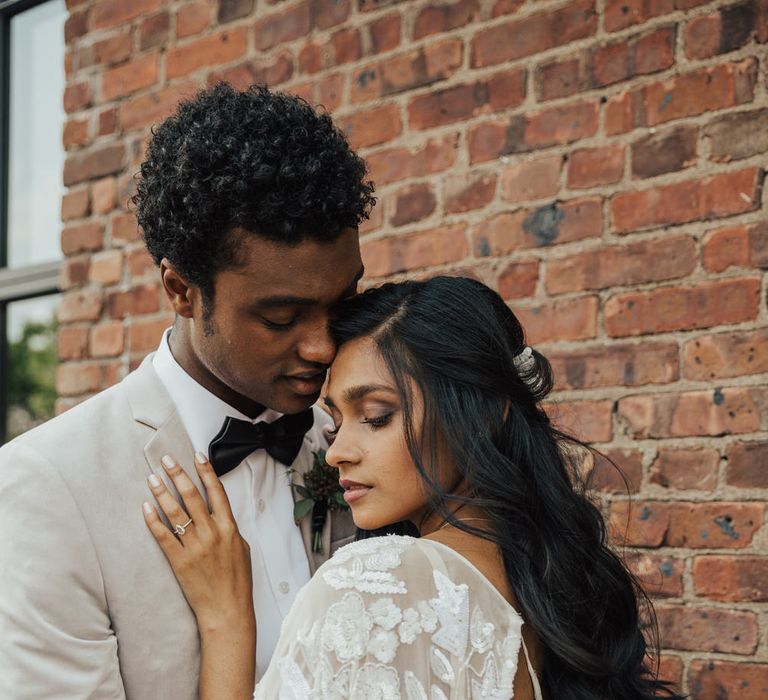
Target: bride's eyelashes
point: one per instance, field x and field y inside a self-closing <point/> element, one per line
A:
<point x="377" y="422"/>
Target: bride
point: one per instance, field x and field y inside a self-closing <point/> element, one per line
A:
<point x="506" y="587"/>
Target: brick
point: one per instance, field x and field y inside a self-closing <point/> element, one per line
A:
<point x="412" y="203"/>
<point x="736" y="246"/>
<point x="372" y="126"/>
<point x="154" y="31"/>
<point x="589" y="421"/>
<point x="733" y="354"/>
<point x="114" y="13"/>
<point x="671" y="670"/>
<point x="506" y="7"/>
<point x="518" y="279"/>
<point x="564" y="319"/>
<point x="230" y="10"/>
<point x="385" y="33"/>
<point x="417" y="68"/>
<point x="75" y="133"/>
<point x="75" y="205"/>
<point x="592" y="167"/>
<point x="686" y="468"/>
<point x="142" y="299"/>
<point x="77" y="96"/>
<point x="660" y="576"/>
<point x="707" y="629"/>
<point x="329" y="14"/>
<point x="282" y="27"/>
<point x="375" y="220"/>
<point x="114" y="49"/>
<point x="144" y="110"/>
<point x="271" y="71"/>
<point x="528" y="178"/>
<point x="620" y="14"/>
<point x="80" y="305"/>
<point x="620" y="265"/>
<point x="107" y="339"/>
<point x="438" y="246"/>
<point x="728" y="578"/>
<point x="371" y="5"/>
<point x="487" y="141"/>
<point x="73" y="342"/>
<point x="106" y="267"/>
<point x="614" y="365"/>
<point x="103" y="194"/>
<point x="430" y="157"/>
<point x="640" y="55"/>
<point x="223" y="47"/>
<point x="434" y="19"/>
<point x="125" y="228"/>
<point x="82" y="237"/>
<point x="616" y="471"/>
<point x="703" y="305"/>
<point x="99" y="161"/>
<point x="533" y="34"/>
<point x="561" y="79"/>
<point x="723" y="31"/>
<point x="685" y="524"/>
<point x="711" y="197"/>
<point x="330" y="92"/>
<point x="192" y="18"/>
<point x="724" y="680"/>
<point x="109" y="121"/>
<point x="78" y="378"/>
<point x="712" y="412"/>
<point x="130" y="77"/>
<point x="74" y="271"/>
<point x="468" y="191"/>
<point x="551" y="127"/>
<point x="748" y="465"/>
<point x="76" y="26"/>
<point x="464" y="101"/>
<point x="690" y="94"/>
<point x="736" y="136"/>
<point x="664" y="152"/>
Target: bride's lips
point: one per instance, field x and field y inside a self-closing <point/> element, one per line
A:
<point x="353" y="490"/>
<point x="307" y="383"/>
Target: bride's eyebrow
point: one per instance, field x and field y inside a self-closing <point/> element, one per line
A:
<point x="355" y="393"/>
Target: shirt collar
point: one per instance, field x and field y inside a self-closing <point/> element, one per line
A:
<point x="202" y="413"/>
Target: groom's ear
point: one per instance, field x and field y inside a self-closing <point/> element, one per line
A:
<point x="180" y="293"/>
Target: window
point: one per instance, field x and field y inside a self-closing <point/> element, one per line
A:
<point x="31" y="163"/>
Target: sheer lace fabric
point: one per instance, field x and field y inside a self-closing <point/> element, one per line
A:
<point x="396" y="618"/>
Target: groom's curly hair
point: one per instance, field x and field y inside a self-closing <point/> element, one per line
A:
<point x="252" y="162"/>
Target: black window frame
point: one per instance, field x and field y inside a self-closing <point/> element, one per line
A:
<point x="28" y="281"/>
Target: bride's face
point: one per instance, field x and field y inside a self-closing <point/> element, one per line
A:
<point x="381" y="482"/>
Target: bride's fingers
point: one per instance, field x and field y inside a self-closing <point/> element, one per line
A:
<point x="176" y="515"/>
<point x="217" y="497"/>
<point x="165" y="538"/>
<point x="194" y="503"/>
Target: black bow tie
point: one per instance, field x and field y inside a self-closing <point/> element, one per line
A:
<point x="238" y="438"/>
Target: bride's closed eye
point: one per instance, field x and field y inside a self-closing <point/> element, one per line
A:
<point x="378" y="421"/>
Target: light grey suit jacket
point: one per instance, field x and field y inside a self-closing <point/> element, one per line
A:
<point x="89" y="607"/>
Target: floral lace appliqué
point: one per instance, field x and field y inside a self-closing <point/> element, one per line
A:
<point x="347" y="628"/>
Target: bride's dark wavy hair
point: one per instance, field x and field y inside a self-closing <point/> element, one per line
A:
<point x="457" y="340"/>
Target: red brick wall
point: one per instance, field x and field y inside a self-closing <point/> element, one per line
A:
<point x="599" y="162"/>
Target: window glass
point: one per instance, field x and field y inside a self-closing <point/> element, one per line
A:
<point x="32" y="358"/>
<point x="36" y="155"/>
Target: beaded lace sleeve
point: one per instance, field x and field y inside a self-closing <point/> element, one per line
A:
<point x="396" y="617"/>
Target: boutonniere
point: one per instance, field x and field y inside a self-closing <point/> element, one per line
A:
<point x="321" y="493"/>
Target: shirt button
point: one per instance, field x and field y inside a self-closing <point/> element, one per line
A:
<point x="262" y="505"/>
<point x="284" y="587"/>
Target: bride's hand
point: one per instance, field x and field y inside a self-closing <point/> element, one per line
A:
<point x="209" y="557"/>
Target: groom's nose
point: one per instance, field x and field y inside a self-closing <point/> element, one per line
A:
<point x="316" y="345"/>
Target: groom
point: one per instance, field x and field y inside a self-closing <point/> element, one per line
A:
<point x="249" y="203"/>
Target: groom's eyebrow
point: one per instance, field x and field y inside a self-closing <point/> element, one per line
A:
<point x="290" y="300"/>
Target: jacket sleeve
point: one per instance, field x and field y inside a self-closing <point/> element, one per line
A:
<point x="56" y="638"/>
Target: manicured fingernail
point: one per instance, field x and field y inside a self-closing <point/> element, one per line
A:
<point x="154" y="480"/>
<point x="200" y="458"/>
<point x="168" y="462"/>
<point x="148" y="509"/>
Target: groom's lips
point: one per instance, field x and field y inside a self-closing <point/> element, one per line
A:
<point x="306" y="383"/>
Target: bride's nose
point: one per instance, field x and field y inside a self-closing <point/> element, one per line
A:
<point x="342" y="451"/>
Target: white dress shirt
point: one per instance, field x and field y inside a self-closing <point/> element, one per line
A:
<point x="259" y="491"/>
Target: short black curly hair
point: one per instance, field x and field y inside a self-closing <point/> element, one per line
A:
<point x="257" y="160"/>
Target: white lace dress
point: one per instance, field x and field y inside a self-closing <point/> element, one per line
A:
<point x="396" y="618"/>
